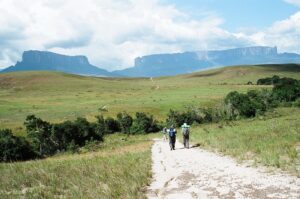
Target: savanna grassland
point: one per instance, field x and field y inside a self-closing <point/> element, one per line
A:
<point x="119" y="168"/>
<point x="272" y="140"/>
<point x="58" y="97"/>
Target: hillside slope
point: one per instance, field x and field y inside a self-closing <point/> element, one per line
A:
<point x="58" y="96"/>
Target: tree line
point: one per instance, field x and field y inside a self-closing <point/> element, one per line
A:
<point x="285" y="91"/>
<point x="44" y="139"/>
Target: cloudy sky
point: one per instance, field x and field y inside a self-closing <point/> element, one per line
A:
<point x="113" y="32"/>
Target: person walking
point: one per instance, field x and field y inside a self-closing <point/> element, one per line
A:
<point x="186" y="135"/>
<point x="172" y="137"/>
<point x="164" y="131"/>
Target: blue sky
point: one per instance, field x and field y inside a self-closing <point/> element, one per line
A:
<point x="112" y="33"/>
<point x="253" y="14"/>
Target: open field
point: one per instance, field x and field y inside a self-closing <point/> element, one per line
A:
<point x="120" y="168"/>
<point x="57" y="97"/>
<point x="273" y="140"/>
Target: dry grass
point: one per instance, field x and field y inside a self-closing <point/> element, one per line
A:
<point x="120" y="168"/>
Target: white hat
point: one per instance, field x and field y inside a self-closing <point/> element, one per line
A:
<point x="185" y="125"/>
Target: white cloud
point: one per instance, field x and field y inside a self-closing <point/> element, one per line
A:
<point x="284" y="34"/>
<point x="110" y="33"/>
<point x="295" y="2"/>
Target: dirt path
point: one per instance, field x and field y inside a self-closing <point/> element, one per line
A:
<point x="196" y="173"/>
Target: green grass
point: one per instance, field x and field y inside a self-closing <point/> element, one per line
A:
<point x="119" y="168"/>
<point x="57" y="97"/>
<point x="273" y="140"/>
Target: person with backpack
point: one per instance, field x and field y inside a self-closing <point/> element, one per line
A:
<point x="186" y="135"/>
<point x="172" y="137"/>
<point x="164" y="131"/>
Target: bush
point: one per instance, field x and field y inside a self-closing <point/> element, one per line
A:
<point x="287" y="89"/>
<point x="111" y="125"/>
<point x="144" y="124"/>
<point x="240" y="104"/>
<point x="269" y="80"/>
<point x="297" y="103"/>
<point x="48" y="139"/>
<point x="14" y="148"/>
<point x="39" y="132"/>
<point x="125" y="122"/>
<point x="74" y="134"/>
<point x="100" y="126"/>
<point x="192" y="115"/>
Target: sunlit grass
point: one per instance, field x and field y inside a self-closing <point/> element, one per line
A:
<point x="58" y="97"/>
<point x="119" y="168"/>
<point x="273" y="140"/>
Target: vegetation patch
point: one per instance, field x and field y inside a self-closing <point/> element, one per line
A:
<point x="271" y="140"/>
<point x="120" y="168"/>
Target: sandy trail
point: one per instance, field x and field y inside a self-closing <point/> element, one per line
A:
<point x="196" y="173"/>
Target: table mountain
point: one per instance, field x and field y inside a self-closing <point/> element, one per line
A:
<point x="179" y="63"/>
<point x="43" y="60"/>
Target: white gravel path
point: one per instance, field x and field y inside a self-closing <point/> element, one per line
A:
<point x="196" y="173"/>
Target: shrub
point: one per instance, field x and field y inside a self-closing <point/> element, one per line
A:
<point x="39" y="132"/>
<point x="240" y="105"/>
<point x="48" y="139"/>
<point x="14" y="148"/>
<point x="100" y="126"/>
<point x="111" y="125"/>
<point x="63" y="134"/>
<point x="85" y="131"/>
<point x="287" y="89"/>
<point x="297" y="103"/>
<point x="144" y="124"/>
<point x="174" y="118"/>
<point x="269" y="80"/>
<point x="192" y="115"/>
<point x="125" y="122"/>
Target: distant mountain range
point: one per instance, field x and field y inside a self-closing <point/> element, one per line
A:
<point x="158" y="64"/>
<point x="41" y="60"/>
<point x="178" y="63"/>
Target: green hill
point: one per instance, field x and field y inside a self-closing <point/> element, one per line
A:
<point x="57" y="96"/>
<point x="120" y="166"/>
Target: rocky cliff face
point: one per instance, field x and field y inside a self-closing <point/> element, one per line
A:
<point x="156" y="65"/>
<point x="178" y="63"/>
<point x="42" y="60"/>
<point x="49" y="58"/>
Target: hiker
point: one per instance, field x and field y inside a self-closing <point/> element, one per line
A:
<point x="186" y="135"/>
<point x="165" y="131"/>
<point x="172" y="137"/>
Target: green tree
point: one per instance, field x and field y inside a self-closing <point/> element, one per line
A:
<point x="287" y="89"/>
<point x="240" y="105"/>
<point x="14" y="148"/>
<point x="100" y="126"/>
<point x="111" y="125"/>
<point x="40" y="133"/>
<point x="125" y="121"/>
<point x="144" y="124"/>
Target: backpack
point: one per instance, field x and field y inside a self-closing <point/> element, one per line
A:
<point x="186" y="131"/>
<point x="172" y="132"/>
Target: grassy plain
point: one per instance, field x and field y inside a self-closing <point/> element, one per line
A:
<point x="118" y="168"/>
<point x="57" y="97"/>
<point x="272" y="140"/>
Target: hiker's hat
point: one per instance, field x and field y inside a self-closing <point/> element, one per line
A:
<point x="185" y="125"/>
